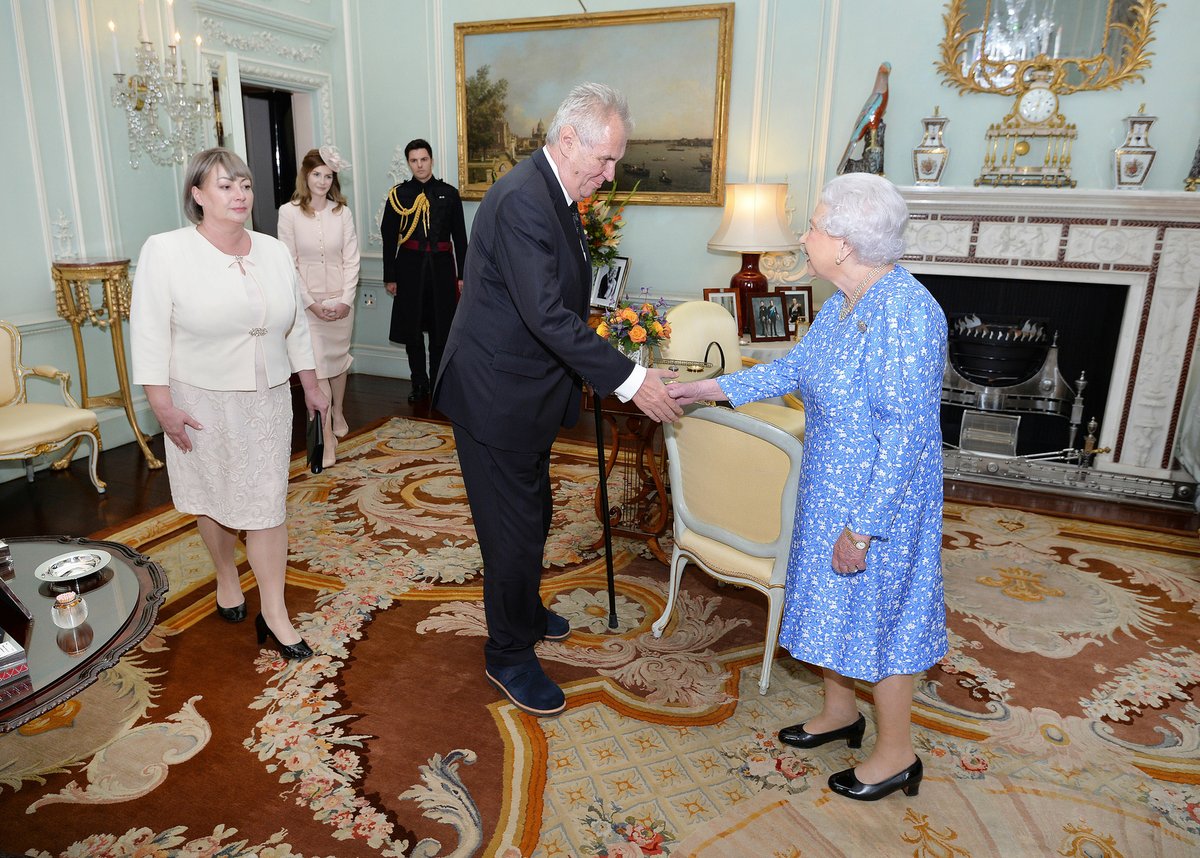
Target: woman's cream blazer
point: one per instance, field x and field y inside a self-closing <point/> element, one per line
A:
<point x="190" y="319"/>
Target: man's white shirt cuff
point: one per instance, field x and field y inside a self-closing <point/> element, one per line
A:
<point x="631" y="385"/>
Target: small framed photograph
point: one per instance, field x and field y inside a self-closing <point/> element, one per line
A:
<point x="768" y="320"/>
<point x="727" y="298"/>
<point x="608" y="283"/>
<point x="797" y="302"/>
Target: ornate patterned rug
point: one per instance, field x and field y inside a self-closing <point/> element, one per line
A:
<point x="1061" y="723"/>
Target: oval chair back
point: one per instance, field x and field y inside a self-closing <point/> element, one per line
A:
<point x="734" y="483"/>
<point x="695" y="326"/>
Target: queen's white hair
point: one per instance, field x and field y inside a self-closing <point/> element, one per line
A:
<point x="869" y="213"/>
<point x="588" y="108"/>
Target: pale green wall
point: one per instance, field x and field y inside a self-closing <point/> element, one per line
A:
<point x="385" y="74"/>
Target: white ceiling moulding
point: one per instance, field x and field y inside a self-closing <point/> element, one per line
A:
<point x="275" y="20"/>
<point x="245" y="28"/>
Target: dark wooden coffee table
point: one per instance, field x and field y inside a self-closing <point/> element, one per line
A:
<point x="122" y="599"/>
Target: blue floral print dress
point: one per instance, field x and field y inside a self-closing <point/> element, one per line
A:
<point x="871" y="386"/>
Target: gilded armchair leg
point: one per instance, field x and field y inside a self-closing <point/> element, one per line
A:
<point x="93" y="456"/>
<point x="64" y="461"/>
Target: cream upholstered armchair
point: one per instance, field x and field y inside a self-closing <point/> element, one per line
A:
<point x="705" y="331"/>
<point x="30" y="429"/>
<point x="734" y="480"/>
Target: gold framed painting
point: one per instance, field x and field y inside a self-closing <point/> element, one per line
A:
<point x="673" y="65"/>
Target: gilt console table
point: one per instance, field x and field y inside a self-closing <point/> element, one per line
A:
<point x="73" y="299"/>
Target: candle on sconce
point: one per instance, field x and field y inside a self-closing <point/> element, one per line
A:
<point x="1057" y="39"/>
<point x="178" y="49"/>
<point x="171" y="21"/>
<point x="112" y="28"/>
<point x="143" y="32"/>
<point x="199" y="60"/>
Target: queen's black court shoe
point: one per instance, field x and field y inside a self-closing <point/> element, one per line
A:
<point x="847" y="783"/>
<point x="798" y="737"/>
<point x="293" y="651"/>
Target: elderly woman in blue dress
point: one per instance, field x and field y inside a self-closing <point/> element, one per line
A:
<point x="864" y="593"/>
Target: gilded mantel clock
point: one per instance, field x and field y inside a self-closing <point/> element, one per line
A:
<point x="1037" y="52"/>
<point x="1032" y="144"/>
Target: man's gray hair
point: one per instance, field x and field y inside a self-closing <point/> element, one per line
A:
<point x="588" y="109"/>
<point x="869" y="213"/>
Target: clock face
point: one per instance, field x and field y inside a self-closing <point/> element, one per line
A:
<point x="1037" y="105"/>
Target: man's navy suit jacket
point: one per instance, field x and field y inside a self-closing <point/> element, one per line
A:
<point x="519" y="348"/>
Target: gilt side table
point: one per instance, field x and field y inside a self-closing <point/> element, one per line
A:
<point x="73" y="300"/>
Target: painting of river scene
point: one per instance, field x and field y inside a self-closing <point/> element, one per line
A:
<point x="667" y="165"/>
<point x="671" y="64"/>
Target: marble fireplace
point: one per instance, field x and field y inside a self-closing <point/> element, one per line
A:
<point x="1149" y="242"/>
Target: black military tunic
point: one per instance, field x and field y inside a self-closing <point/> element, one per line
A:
<point x="424" y="246"/>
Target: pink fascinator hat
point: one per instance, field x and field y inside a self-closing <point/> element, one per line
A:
<point x="333" y="158"/>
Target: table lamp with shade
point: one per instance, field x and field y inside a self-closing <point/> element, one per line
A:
<point x="754" y="223"/>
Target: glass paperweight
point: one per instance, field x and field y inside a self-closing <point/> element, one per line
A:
<point x="69" y="610"/>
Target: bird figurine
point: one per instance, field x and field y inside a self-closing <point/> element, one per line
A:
<point x="871" y="115"/>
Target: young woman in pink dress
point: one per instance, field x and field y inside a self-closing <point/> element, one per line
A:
<point x="318" y="229"/>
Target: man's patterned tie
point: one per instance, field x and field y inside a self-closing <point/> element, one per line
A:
<point x="579" y="229"/>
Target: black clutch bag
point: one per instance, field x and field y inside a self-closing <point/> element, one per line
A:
<point x="316" y="444"/>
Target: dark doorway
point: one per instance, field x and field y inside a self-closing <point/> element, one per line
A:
<point x="1085" y="316"/>
<point x="270" y="150"/>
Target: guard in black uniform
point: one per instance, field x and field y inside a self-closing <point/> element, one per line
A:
<point x="424" y="247"/>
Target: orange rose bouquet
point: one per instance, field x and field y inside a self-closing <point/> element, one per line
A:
<point x="602" y="221"/>
<point x="630" y="326"/>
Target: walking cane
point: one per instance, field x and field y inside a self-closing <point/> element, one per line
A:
<point x="608" y="548"/>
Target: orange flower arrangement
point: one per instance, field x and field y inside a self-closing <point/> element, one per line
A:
<point x="602" y="221"/>
<point x="629" y="328"/>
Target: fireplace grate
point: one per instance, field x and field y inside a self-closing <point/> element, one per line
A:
<point x="1044" y="391"/>
<point x="998" y="351"/>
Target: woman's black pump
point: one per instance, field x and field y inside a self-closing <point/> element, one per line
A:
<point x="232" y="615"/>
<point x="293" y="651"/>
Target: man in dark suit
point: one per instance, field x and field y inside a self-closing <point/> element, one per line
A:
<point x="512" y="373"/>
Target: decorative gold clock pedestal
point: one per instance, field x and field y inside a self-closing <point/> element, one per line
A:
<point x="1006" y="146"/>
<point x="73" y="300"/>
<point x="1034" y="123"/>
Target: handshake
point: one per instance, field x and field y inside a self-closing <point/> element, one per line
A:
<point x="688" y="392"/>
<point x="663" y="401"/>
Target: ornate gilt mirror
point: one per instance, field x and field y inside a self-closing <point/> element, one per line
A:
<point x="991" y="45"/>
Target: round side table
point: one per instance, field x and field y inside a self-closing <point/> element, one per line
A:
<point x="73" y="301"/>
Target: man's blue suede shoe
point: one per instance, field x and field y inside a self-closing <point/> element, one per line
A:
<point x="527" y="686"/>
<point x="557" y="628"/>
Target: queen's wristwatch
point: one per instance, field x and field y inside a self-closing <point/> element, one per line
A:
<point x="860" y="544"/>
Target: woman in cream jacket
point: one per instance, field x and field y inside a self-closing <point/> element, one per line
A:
<point x="217" y="330"/>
